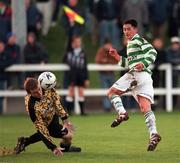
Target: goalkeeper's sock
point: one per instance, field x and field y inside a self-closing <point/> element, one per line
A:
<point x="150" y="121"/>
<point x="65" y="147"/>
<point x="33" y="139"/>
<point x="117" y="103"/>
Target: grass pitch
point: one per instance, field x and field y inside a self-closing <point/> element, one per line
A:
<point x="125" y="144"/>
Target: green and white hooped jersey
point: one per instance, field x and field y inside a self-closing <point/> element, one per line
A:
<point x="139" y="51"/>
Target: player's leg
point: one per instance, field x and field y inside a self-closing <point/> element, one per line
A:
<point x="150" y="120"/>
<point x="66" y="144"/>
<point x="114" y="96"/>
<point x="124" y="84"/>
<point x="145" y="97"/>
<point x="70" y="100"/>
<point x="81" y="99"/>
<point x="56" y="130"/>
<point x="23" y="142"/>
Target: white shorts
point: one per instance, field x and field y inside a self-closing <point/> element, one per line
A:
<point x="138" y="83"/>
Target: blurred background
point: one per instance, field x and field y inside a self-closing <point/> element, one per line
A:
<point x="42" y="31"/>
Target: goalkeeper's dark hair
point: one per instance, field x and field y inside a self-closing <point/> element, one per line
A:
<point x="132" y="22"/>
<point x="30" y="84"/>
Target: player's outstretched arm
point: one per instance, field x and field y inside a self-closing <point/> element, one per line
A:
<point x="57" y="152"/>
<point x="67" y="124"/>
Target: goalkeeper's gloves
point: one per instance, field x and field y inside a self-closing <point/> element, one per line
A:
<point x="57" y="152"/>
<point x="69" y="126"/>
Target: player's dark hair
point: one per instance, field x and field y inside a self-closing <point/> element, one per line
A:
<point x="30" y="84"/>
<point x="132" y="22"/>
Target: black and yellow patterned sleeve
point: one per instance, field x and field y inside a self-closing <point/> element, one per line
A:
<point x="42" y="129"/>
<point x="59" y="108"/>
<point x="26" y="101"/>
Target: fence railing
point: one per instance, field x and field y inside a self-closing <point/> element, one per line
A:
<point x="168" y="91"/>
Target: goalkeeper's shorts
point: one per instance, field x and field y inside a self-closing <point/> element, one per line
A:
<point x="55" y="129"/>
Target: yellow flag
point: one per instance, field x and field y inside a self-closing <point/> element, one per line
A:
<point x="73" y="15"/>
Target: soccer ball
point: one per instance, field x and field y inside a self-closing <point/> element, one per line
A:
<point x="47" y="80"/>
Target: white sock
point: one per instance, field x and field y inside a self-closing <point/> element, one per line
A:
<point x="150" y="121"/>
<point x="117" y="103"/>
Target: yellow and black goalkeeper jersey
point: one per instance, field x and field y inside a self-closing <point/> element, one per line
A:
<point x="42" y="111"/>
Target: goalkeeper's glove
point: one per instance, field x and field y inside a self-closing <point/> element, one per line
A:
<point x="69" y="126"/>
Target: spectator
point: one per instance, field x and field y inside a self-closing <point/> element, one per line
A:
<point x="107" y="78"/>
<point x="173" y="57"/>
<point x="78" y="74"/>
<point x="159" y="76"/>
<point x="57" y="6"/>
<point x="136" y="9"/>
<point x="4" y="63"/>
<point x="5" y="20"/>
<point x="91" y="20"/>
<point x="34" y="18"/>
<point x="45" y="7"/>
<point x="158" y="17"/>
<point x="161" y="58"/>
<point x="173" y="18"/>
<point x="107" y="15"/>
<point x="13" y="51"/>
<point x="34" y="53"/>
<point x="68" y="23"/>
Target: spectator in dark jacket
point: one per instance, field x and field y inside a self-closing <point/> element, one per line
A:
<point x="34" y="18"/>
<point x="107" y="15"/>
<point x="159" y="76"/>
<point x="13" y="51"/>
<point x="158" y="10"/>
<point x="4" y="63"/>
<point x="34" y="52"/>
<point x="5" y="20"/>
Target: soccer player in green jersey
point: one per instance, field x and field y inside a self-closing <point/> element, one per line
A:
<point x="140" y="54"/>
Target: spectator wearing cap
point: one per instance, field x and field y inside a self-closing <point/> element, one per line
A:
<point x="13" y="51"/>
<point x="173" y="57"/>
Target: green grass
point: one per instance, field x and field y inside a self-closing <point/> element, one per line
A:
<point x="100" y="143"/>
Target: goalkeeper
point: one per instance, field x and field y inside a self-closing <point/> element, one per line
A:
<point x="140" y="54"/>
<point x="44" y="108"/>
